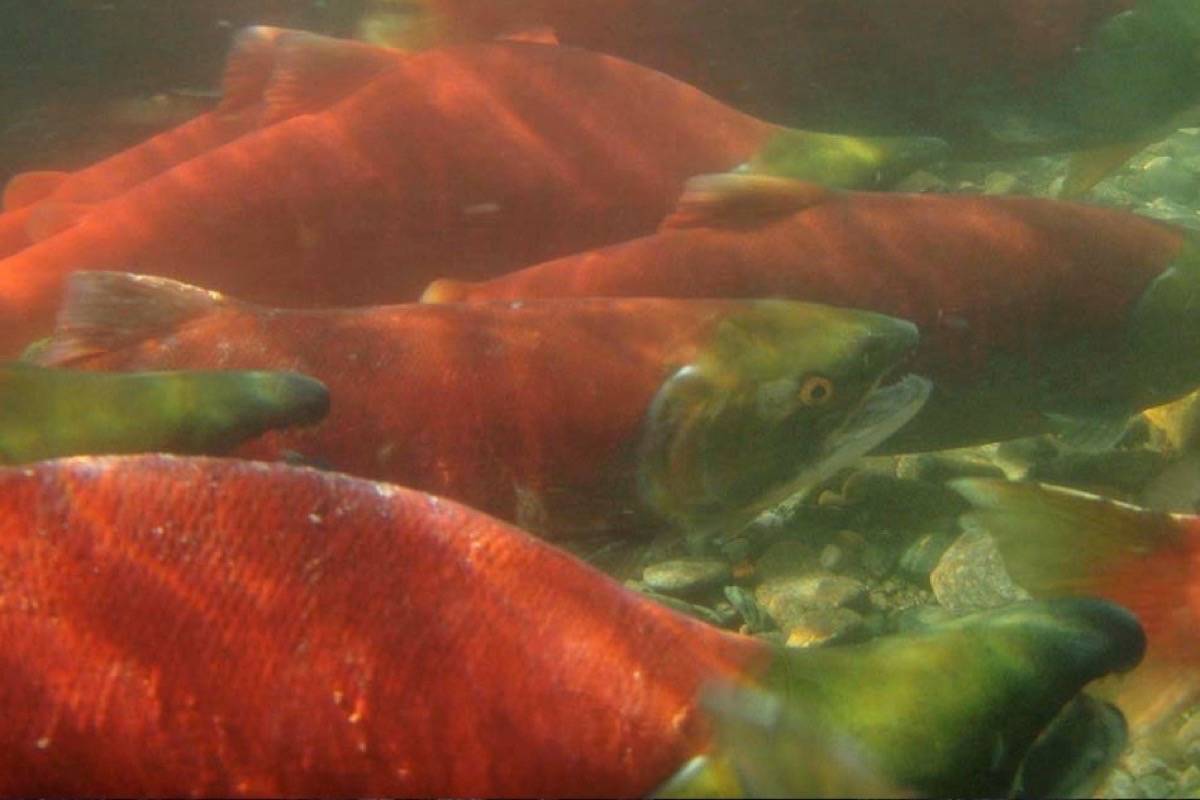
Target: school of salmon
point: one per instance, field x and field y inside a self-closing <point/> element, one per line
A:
<point x="318" y="405"/>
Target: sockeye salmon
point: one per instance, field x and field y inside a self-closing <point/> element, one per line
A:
<point x="1030" y="310"/>
<point x="206" y="627"/>
<point x="474" y="159"/>
<point x="570" y="418"/>
<point x="271" y="74"/>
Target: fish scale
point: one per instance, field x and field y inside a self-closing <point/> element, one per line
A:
<point x="240" y="601"/>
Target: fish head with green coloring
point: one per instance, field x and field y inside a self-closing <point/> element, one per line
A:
<point x="50" y="412"/>
<point x="975" y="705"/>
<point x="842" y="161"/>
<point x="782" y="395"/>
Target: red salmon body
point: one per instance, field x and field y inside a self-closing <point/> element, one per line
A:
<point x="473" y="159"/>
<point x="1009" y="292"/>
<point x="211" y="627"/>
<point x="976" y="274"/>
<point x="513" y="411"/>
<point x="581" y="418"/>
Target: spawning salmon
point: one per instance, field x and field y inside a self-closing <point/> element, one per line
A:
<point x="472" y="159"/>
<point x="207" y="627"/>
<point x="570" y="418"/>
<point x="259" y="88"/>
<point x="1030" y="310"/>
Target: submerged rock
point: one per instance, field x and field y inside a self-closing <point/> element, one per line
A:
<point x="971" y="576"/>
<point x="683" y="576"/>
<point x="823" y="626"/>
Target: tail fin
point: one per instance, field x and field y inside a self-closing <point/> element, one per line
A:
<point x="1060" y="541"/>
<point x="105" y="311"/>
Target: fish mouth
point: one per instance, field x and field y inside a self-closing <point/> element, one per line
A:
<point x="884" y="410"/>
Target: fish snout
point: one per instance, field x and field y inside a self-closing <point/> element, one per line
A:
<point x="302" y="400"/>
<point x="888" y="343"/>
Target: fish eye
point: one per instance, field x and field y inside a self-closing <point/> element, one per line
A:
<point x="816" y="390"/>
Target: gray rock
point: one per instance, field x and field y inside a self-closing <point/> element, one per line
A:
<point x="921" y="181"/>
<point x="1163" y="176"/>
<point x="786" y="557"/>
<point x="754" y="618"/>
<point x="789" y="599"/>
<point x="922" y="556"/>
<point x="823" y="626"/>
<point x="831" y="556"/>
<point x="692" y="610"/>
<point x="970" y="575"/>
<point x="686" y="575"/>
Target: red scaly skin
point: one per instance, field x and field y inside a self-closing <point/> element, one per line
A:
<point x="470" y="160"/>
<point x="214" y="627"/>
<point x="978" y="275"/>
<point x="509" y="410"/>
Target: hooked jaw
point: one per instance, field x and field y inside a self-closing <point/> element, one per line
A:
<point x="785" y="394"/>
<point x="226" y="408"/>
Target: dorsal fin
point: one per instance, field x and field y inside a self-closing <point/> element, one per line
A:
<point x="446" y="290"/>
<point x="30" y="187"/>
<point x="734" y="200"/>
<point x="105" y="311"/>
<point x="51" y="217"/>
<point x="297" y="72"/>
<point x="248" y="67"/>
<point x="539" y="34"/>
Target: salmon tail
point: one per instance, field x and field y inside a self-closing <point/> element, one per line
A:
<point x="446" y="290"/>
<point x="1061" y="541"/>
<point x="106" y="311"/>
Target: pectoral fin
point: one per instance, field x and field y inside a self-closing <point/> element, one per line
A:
<point x="1088" y="167"/>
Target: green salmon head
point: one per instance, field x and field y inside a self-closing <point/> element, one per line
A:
<point x="783" y="395"/>
<point x="845" y="162"/>
<point x="50" y="413"/>
<point x="211" y="411"/>
<point x="951" y="707"/>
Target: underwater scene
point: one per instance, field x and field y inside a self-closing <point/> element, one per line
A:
<point x="600" y="398"/>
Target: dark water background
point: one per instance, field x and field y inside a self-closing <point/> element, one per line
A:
<point x="65" y="63"/>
